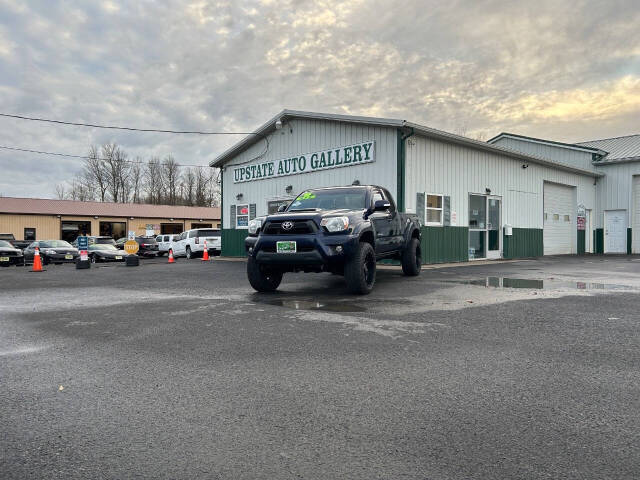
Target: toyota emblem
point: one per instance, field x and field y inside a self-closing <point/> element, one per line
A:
<point x="287" y="225"/>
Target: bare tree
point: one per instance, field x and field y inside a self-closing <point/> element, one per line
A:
<point x="117" y="172"/>
<point x="213" y="188"/>
<point x="61" y="192"/>
<point x="188" y="187"/>
<point x="136" y="180"/>
<point x="95" y="172"/>
<point x="153" y="179"/>
<point x="171" y="177"/>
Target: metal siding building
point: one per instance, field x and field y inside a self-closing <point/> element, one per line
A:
<point x="477" y="200"/>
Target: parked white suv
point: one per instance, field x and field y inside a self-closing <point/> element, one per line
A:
<point x="164" y="243"/>
<point x="191" y="242"/>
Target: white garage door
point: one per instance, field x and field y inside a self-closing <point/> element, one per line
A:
<point x="635" y="209"/>
<point x="559" y="219"/>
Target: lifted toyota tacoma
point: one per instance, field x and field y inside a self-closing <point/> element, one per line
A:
<point x="342" y="230"/>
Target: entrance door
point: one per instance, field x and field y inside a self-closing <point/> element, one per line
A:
<point x="615" y="231"/>
<point x="485" y="217"/>
<point x="494" y="219"/>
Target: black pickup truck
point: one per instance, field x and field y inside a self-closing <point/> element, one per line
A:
<point x="342" y="230"/>
<point x="21" y="244"/>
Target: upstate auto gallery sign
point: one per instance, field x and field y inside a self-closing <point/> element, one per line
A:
<point x="309" y="162"/>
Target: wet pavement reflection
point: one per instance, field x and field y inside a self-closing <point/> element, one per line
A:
<point x="537" y="284"/>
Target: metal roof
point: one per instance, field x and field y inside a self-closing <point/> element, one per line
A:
<point x="270" y="127"/>
<point x="571" y="146"/>
<point x="46" y="206"/>
<point x="619" y="148"/>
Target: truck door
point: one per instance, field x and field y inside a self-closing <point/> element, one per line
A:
<point x="383" y="224"/>
<point x="396" y="237"/>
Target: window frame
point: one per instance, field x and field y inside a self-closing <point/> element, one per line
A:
<point x="238" y="208"/>
<point x="427" y="208"/>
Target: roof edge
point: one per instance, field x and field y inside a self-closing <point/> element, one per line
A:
<point x="571" y="146"/>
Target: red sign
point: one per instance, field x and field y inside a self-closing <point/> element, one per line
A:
<point x="582" y="222"/>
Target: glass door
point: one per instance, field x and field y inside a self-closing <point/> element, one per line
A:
<point x="485" y="218"/>
<point x="477" y="227"/>
<point x="494" y="220"/>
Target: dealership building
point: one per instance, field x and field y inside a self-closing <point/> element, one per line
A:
<point x="45" y="219"/>
<point x="510" y="197"/>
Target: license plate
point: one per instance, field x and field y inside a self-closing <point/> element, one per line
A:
<point x="118" y="257"/>
<point x="4" y="259"/>
<point x="68" y="257"/>
<point x="286" y="247"/>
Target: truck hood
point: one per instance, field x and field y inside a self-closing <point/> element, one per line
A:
<point x="316" y="216"/>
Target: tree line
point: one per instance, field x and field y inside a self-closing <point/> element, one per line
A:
<point x="109" y="175"/>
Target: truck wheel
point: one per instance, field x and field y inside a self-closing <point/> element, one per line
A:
<point x="412" y="258"/>
<point x="360" y="270"/>
<point x="262" y="279"/>
<point x="187" y="253"/>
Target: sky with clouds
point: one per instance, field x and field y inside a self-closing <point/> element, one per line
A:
<point x="563" y="70"/>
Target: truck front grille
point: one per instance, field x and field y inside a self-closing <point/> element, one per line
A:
<point x="299" y="227"/>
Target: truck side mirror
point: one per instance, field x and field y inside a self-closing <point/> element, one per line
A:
<point x="381" y="205"/>
<point x="282" y="208"/>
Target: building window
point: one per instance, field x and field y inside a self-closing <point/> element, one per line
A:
<point x="201" y="225"/>
<point x="567" y="218"/>
<point x="114" y="230"/>
<point x="556" y="217"/>
<point x="30" y="234"/>
<point x="242" y="216"/>
<point x="72" y="230"/>
<point x="434" y="210"/>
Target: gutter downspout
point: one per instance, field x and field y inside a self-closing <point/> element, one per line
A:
<point x="400" y="166"/>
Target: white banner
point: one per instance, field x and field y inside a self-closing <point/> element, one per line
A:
<point x="309" y="162"/>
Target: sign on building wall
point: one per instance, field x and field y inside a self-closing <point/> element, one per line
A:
<point x="309" y="162"/>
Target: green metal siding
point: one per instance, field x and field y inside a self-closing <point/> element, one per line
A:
<point x="445" y="244"/>
<point x="598" y="240"/>
<point x="581" y="242"/>
<point x="629" y="239"/>
<point x="523" y="243"/>
<point x="233" y="242"/>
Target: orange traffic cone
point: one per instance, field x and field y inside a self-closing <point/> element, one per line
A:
<point x="37" y="263"/>
<point x="205" y="253"/>
<point x="171" y="259"/>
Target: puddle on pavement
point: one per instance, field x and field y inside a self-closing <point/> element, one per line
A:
<point x="326" y="306"/>
<point x="551" y="284"/>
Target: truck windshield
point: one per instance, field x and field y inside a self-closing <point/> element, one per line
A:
<point x="340" y="198"/>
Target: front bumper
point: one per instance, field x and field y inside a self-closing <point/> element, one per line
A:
<point x="315" y="250"/>
<point x="6" y="260"/>
<point x="59" y="257"/>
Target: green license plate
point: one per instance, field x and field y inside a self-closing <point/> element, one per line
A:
<point x="4" y="259"/>
<point x="286" y="247"/>
<point x="68" y="257"/>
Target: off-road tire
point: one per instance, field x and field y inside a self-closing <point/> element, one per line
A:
<point x="188" y="254"/>
<point x="360" y="270"/>
<point x="412" y="258"/>
<point x="261" y="278"/>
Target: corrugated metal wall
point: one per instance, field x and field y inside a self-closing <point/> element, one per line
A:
<point x="309" y="136"/>
<point x="437" y="167"/>
<point x="615" y="189"/>
<point x="575" y="158"/>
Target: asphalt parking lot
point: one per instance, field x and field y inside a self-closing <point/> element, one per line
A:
<point x="525" y="369"/>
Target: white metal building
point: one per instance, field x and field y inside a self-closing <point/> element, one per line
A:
<point x="476" y="199"/>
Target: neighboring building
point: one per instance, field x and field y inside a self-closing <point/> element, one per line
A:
<point x="476" y="199"/>
<point x="609" y="227"/>
<point x="39" y="219"/>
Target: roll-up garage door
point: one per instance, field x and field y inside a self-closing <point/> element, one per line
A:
<point x="559" y="212"/>
<point x="635" y="209"/>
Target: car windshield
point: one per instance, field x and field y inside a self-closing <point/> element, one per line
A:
<point x="208" y="233"/>
<point x="54" y="244"/>
<point x="103" y="247"/>
<point x="5" y="244"/>
<point x="347" y="198"/>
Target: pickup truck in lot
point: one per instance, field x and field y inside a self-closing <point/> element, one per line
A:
<point x="342" y="230"/>
<point x="9" y="237"/>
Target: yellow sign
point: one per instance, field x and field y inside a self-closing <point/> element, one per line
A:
<point x="131" y="247"/>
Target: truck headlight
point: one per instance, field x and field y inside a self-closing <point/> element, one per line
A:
<point x="335" y="224"/>
<point x="254" y="225"/>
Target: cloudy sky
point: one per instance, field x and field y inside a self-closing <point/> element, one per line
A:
<point x="567" y="71"/>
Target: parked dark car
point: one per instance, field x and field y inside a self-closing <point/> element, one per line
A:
<point x="99" y="240"/>
<point x="99" y="252"/>
<point x="10" y="255"/>
<point x="148" y="246"/>
<point x="51" y="251"/>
